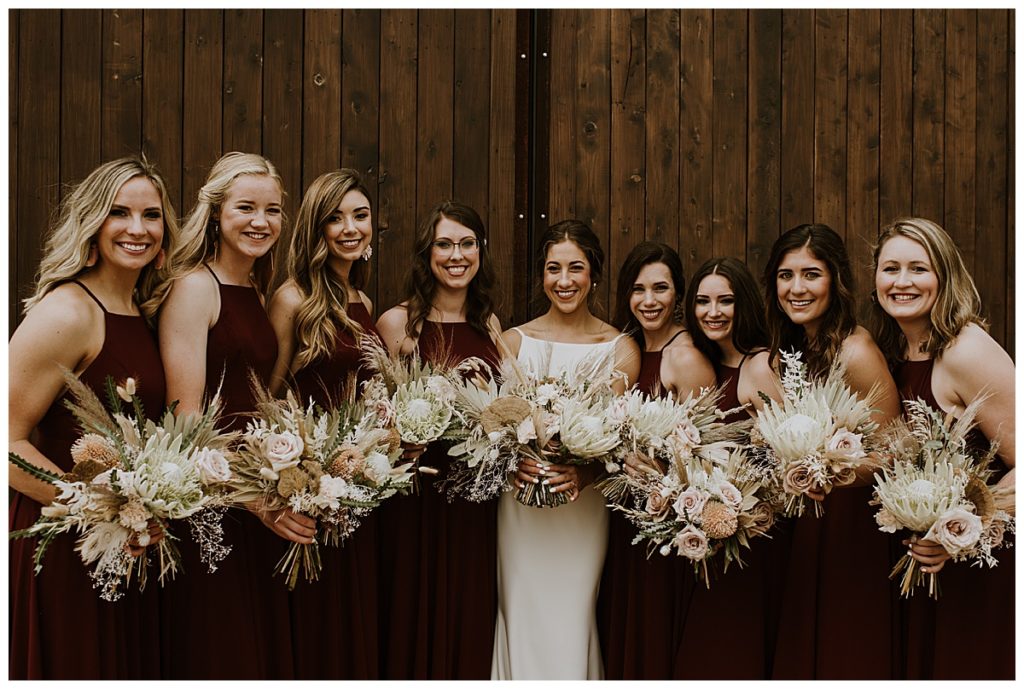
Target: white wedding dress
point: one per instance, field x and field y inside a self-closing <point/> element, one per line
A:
<point x="550" y="561"/>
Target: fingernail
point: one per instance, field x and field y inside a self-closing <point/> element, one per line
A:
<point x="546" y="481"/>
<point x="537" y="480"/>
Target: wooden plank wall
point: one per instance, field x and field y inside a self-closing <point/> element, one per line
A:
<point x="422" y="102"/>
<point x="712" y="130"/>
<point x="716" y="130"/>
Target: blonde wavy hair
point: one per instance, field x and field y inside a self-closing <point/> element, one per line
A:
<point x="200" y="235"/>
<point x="325" y="295"/>
<point x="83" y="212"/>
<point x="957" y="303"/>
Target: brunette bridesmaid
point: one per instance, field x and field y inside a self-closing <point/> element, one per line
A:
<point x="838" y="606"/>
<point x="439" y="595"/>
<point x="321" y="315"/>
<point x="725" y="313"/>
<point x="101" y="278"/>
<point x="214" y="330"/>
<point x="641" y="596"/>
<point x="926" y="317"/>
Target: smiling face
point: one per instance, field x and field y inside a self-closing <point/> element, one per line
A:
<point x="349" y="229"/>
<point x="652" y="299"/>
<point x="250" y="216"/>
<point x="131" y="234"/>
<point x="802" y="284"/>
<point x="714" y="306"/>
<point x="905" y="280"/>
<point x="566" y="276"/>
<point x="454" y="254"/>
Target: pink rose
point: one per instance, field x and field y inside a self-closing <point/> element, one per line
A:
<point x="886" y="521"/>
<point x="845" y="443"/>
<point x="690" y="503"/>
<point x="658" y="505"/>
<point x="797" y="480"/>
<point x="762" y="516"/>
<point x="955" y="530"/>
<point x="691" y="543"/>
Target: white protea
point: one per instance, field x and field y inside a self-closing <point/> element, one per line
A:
<point x="421" y="414"/>
<point x="916" y="496"/>
<point x="586" y="430"/>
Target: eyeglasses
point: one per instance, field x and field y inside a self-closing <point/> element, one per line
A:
<point x="466" y="246"/>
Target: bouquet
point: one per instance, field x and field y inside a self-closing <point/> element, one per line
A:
<point x="939" y="491"/>
<point x="130" y="471"/>
<point x="817" y="437"/>
<point x="333" y="465"/>
<point x="699" y="507"/>
<point x="564" y="419"/>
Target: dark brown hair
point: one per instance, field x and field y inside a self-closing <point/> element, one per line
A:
<point x="749" y="330"/>
<point x="644" y="254"/>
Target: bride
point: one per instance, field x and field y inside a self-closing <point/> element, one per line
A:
<point x="550" y="560"/>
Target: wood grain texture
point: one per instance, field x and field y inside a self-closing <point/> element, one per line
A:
<point x="435" y="95"/>
<point x="321" y="94"/>
<point x="830" y="154"/>
<point x="562" y="130"/>
<point x="14" y="284"/>
<point x="202" y="114"/>
<point x="896" y="153"/>
<point x="929" y="113"/>
<point x="243" y="80"/>
<point x="764" y="136"/>
<point x="121" y="111"/>
<point x="729" y="132"/>
<point x="628" y="171"/>
<point x="797" y="117"/>
<point x="81" y="87"/>
<point x="471" y="104"/>
<point x="282" y="102"/>
<point x="163" y="97"/>
<point x="1011" y="177"/>
<point x="662" y="131"/>
<point x="695" y="127"/>
<point x="960" y="129"/>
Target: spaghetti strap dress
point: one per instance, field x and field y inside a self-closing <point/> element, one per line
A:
<point x="839" y="611"/>
<point x="233" y="623"/>
<point x="60" y="629"/>
<point x="641" y="596"/>
<point x="335" y="619"/>
<point x="969" y="632"/>
<point x="738" y="599"/>
<point x="550" y="561"/>
<point x="438" y="591"/>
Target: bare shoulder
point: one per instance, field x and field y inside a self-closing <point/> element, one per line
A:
<point x="513" y="339"/>
<point x="760" y="365"/>
<point x="682" y="352"/>
<point x="288" y="297"/>
<point x="394" y="318"/>
<point x="366" y="302"/>
<point x="974" y="347"/>
<point x="67" y="311"/>
<point x="860" y="350"/>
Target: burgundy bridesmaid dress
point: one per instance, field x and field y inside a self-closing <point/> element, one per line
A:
<point x="60" y="629"/>
<point x="969" y="632"/>
<point x="233" y="623"/>
<point x="438" y="586"/>
<point x="335" y="619"/>
<point x="740" y="602"/>
<point x="640" y="600"/>
<point x="839" y="611"/>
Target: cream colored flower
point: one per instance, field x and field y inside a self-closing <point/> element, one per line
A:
<point x="956" y="530"/>
<point x="691" y="543"/>
<point x="377" y="468"/>
<point x="658" y="505"/>
<point x="846" y="443"/>
<point x="797" y="479"/>
<point x="886" y="521"/>
<point x="213" y="465"/>
<point x="690" y="503"/>
<point x="282" y="450"/>
<point x="95" y="448"/>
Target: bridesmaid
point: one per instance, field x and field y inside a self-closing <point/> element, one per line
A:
<point x="232" y="624"/>
<point x="838" y="607"/>
<point x="100" y="279"/>
<point x="439" y="593"/>
<point x="320" y="315"/>
<point x="639" y="595"/>
<point x="725" y="313"/>
<point x="925" y="316"/>
<point x="550" y="560"/>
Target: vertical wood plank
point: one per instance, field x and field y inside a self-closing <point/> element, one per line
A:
<point x="243" y="80"/>
<point x="281" y="129"/>
<point x="563" y="117"/>
<point x="80" y="86"/>
<point x="593" y="137"/>
<point x="830" y="80"/>
<point x="729" y="131"/>
<point x="1011" y="176"/>
<point x="396" y="219"/>
<point x="13" y="110"/>
<point x="991" y="183"/>
<point x="472" y="100"/>
<point x="764" y="133"/>
<point x="204" y="73"/>
<point x="797" y="117"/>
<point x="662" y="127"/>
<point x="435" y="92"/>
<point x="162" y="97"/>
<point x="896" y="155"/>
<point x="122" y="83"/>
<point x="862" y="145"/>
<point x="508" y="249"/>
<point x="38" y="104"/>
<point x="321" y="95"/>
<point x="628" y="145"/>
<point x="960" y="129"/>
<point x="696" y="138"/>
<point x="929" y="113"/>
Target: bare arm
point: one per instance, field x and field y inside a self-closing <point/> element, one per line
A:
<point x="191" y="309"/>
<point x="627" y="362"/>
<point x="684" y="371"/>
<point x="63" y="330"/>
<point x="391" y="326"/>
<point x="866" y="369"/>
<point x="756" y="377"/>
<point x="284" y="306"/>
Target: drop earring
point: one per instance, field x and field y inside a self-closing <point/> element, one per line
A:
<point x="158" y="262"/>
<point x="93" y="257"/>
<point x="367" y="252"/>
